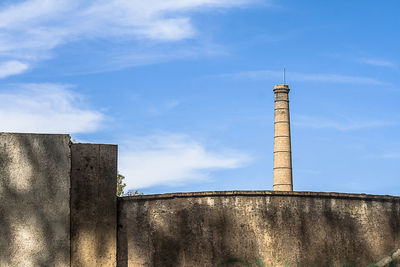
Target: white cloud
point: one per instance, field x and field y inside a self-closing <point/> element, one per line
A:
<point x="49" y="108"/>
<point x="378" y="62"/>
<point x="343" y="124"/>
<point x="29" y="30"/>
<point x="13" y="67"/>
<point x="171" y="160"/>
<point x="304" y="77"/>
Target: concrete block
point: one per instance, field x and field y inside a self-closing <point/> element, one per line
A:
<point x="93" y="205"/>
<point x="34" y="200"/>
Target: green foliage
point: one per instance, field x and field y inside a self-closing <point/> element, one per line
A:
<point x="120" y="184"/>
<point x="234" y="260"/>
<point x="133" y="193"/>
<point x="284" y="264"/>
<point x="259" y="262"/>
<point x="391" y="264"/>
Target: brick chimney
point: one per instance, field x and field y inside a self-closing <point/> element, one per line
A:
<point x="282" y="149"/>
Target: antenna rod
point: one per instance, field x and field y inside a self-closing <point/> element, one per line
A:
<point x="284" y="75"/>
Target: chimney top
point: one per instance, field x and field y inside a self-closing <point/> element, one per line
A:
<point x="281" y="88"/>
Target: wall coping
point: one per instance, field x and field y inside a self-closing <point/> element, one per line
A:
<point x="34" y="134"/>
<point x="333" y="195"/>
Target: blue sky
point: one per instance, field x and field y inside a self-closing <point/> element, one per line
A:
<point x="184" y="87"/>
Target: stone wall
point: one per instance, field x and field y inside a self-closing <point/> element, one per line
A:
<point x="58" y="208"/>
<point x="34" y="200"/>
<point x="57" y="202"/>
<point x="257" y="228"/>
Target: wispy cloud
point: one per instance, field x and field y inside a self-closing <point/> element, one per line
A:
<point x="49" y="108"/>
<point x="378" y="62"/>
<point x="342" y="124"/>
<point x="173" y="159"/>
<point x="13" y="67"/>
<point x="160" y="109"/>
<point x="303" y="77"/>
<point x="172" y="104"/>
<point x="30" y="30"/>
<point x="121" y="54"/>
<point x="393" y="155"/>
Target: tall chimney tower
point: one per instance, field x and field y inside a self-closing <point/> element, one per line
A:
<point x="282" y="148"/>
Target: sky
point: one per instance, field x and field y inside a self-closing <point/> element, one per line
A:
<point x="184" y="87"/>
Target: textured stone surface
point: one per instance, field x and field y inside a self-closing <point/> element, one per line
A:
<point x="93" y="205"/>
<point x="282" y="147"/>
<point x="34" y="200"/>
<point x="272" y="228"/>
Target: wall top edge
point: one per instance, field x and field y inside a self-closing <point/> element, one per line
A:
<point x="93" y="144"/>
<point x="54" y="135"/>
<point x="40" y="134"/>
<point x="262" y="193"/>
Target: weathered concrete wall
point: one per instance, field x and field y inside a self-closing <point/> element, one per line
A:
<point x="34" y="200"/>
<point x="268" y="228"/>
<point x="93" y="205"/>
<point x="58" y="208"/>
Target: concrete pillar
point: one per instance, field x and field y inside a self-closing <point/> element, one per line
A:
<point x="93" y="205"/>
<point x="282" y="148"/>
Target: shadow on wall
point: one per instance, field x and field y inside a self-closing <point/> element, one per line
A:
<point x="194" y="229"/>
<point x="93" y="205"/>
<point x="184" y="237"/>
<point x="34" y="200"/>
<point x="242" y="230"/>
